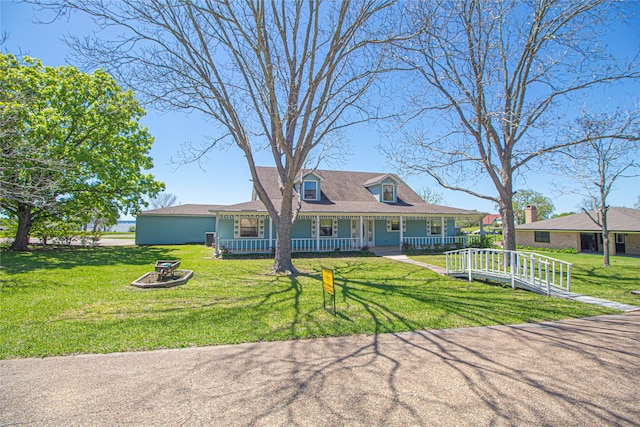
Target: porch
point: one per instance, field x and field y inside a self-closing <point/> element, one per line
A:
<point x="336" y="244"/>
<point x="329" y="233"/>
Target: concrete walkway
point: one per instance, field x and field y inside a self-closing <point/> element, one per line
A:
<point x="393" y="253"/>
<point x="570" y="373"/>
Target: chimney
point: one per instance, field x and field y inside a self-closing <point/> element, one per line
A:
<point x="530" y="214"/>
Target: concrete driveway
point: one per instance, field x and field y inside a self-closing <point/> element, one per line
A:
<point x="570" y="373"/>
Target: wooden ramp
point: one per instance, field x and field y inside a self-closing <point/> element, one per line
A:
<point x="523" y="270"/>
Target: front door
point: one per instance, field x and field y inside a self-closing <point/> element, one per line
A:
<point x="368" y="231"/>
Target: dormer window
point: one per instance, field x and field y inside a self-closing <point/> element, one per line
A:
<point x="388" y="193"/>
<point x="310" y="190"/>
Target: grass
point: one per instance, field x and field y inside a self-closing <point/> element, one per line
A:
<point x="78" y="300"/>
<point x="588" y="276"/>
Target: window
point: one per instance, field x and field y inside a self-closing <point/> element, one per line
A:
<point x="310" y="190"/>
<point x="620" y="239"/>
<point x="326" y="227"/>
<point x="387" y="193"/>
<point x="395" y="225"/>
<point x="435" y="225"/>
<point x="542" y="237"/>
<point x="248" y="227"/>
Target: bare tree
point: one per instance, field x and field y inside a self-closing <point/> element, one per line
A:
<point x="429" y="195"/>
<point x="599" y="163"/>
<point x="281" y="76"/>
<point x="163" y="200"/>
<point x="497" y="77"/>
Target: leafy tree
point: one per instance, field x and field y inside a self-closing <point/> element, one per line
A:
<point x="522" y="198"/>
<point x="72" y="146"/>
<point x="499" y="76"/>
<point x="560" y="215"/>
<point x="277" y="77"/>
<point x="599" y="163"/>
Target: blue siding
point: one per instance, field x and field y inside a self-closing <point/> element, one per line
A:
<point x="301" y="229"/>
<point x="344" y="228"/>
<point x="451" y="227"/>
<point x="376" y="190"/>
<point x="172" y="230"/>
<point x="384" y="237"/>
<point x="226" y="228"/>
<point x="415" y="228"/>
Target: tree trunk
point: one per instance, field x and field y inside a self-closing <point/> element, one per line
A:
<point x="283" y="222"/>
<point x="508" y="225"/>
<point x="605" y="238"/>
<point x="25" y="220"/>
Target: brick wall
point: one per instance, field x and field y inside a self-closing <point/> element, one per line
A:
<point x="558" y="240"/>
<point x="632" y="244"/>
<point x="564" y="239"/>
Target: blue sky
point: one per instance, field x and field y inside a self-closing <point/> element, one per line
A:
<point x="224" y="177"/>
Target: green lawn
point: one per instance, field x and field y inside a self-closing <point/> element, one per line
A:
<point x="55" y="302"/>
<point x="588" y="276"/>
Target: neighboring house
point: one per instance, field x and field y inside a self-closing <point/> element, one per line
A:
<point x="338" y="211"/>
<point x="492" y="220"/>
<point x="579" y="232"/>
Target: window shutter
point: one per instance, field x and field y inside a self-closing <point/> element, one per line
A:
<point x="313" y="227"/>
<point x="335" y="228"/>
<point x="261" y="228"/>
<point x="404" y="225"/>
<point x="444" y="229"/>
<point x="388" y="225"/>
<point x="354" y="229"/>
<point x="428" y="226"/>
<point x="236" y="228"/>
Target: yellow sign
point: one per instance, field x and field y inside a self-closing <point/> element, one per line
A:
<point x="327" y="281"/>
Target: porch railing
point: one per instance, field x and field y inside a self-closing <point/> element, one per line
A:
<point x="431" y="241"/>
<point x="324" y="244"/>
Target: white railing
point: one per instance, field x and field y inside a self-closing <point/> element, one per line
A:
<point x="536" y="270"/>
<point x="250" y="246"/>
<point x="431" y="241"/>
<point x="324" y="244"/>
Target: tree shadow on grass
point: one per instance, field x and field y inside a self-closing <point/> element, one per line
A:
<point x="66" y="258"/>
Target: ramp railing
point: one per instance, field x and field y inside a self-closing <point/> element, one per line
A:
<point x="520" y="268"/>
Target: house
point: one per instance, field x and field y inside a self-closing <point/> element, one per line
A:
<point x="492" y="220"/>
<point x="578" y="231"/>
<point x="339" y="210"/>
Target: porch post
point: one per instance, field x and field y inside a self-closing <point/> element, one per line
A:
<point x="270" y="232"/>
<point x="401" y="234"/>
<point x="442" y="230"/>
<point x="217" y="233"/>
<point x="361" y="233"/>
<point x="318" y="233"/>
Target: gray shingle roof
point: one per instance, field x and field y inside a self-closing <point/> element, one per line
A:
<point x="189" y="209"/>
<point x="341" y="192"/>
<point x="345" y="192"/>
<point x="618" y="219"/>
